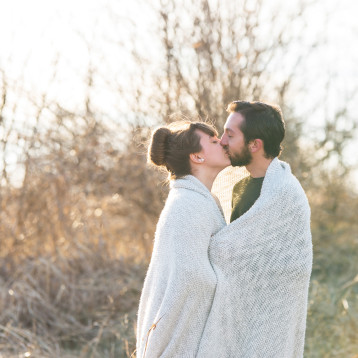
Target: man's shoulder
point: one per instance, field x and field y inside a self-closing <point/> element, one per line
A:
<point x="294" y="191"/>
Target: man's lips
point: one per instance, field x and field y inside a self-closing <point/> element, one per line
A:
<point x="226" y="150"/>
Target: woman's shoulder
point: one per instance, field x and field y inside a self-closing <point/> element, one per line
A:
<point x="185" y="210"/>
<point x="183" y="198"/>
<point x="190" y="203"/>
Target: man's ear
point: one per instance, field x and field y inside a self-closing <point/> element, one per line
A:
<point x="255" y="145"/>
<point x="196" y="158"/>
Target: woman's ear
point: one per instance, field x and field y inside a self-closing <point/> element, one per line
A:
<point x="196" y="158"/>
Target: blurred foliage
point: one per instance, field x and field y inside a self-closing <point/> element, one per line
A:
<point x="77" y="227"/>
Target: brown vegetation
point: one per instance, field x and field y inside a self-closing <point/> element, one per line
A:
<point x="76" y="227"/>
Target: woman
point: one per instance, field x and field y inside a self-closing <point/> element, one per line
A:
<point x="180" y="283"/>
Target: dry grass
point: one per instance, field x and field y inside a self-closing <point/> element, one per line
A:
<point x="85" y="306"/>
<point x="73" y="255"/>
<point x="74" y="251"/>
<point x="81" y="301"/>
<point x="78" y="307"/>
<point x="332" y="327"/>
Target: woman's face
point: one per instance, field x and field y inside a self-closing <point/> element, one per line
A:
<point x="212" y="152"/>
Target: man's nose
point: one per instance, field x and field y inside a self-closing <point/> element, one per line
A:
<point x="223" y="140"/>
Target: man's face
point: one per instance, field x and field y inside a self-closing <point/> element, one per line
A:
<point x="233" y="141"/>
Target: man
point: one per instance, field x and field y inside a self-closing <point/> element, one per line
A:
<point x="263" y="258"/>
<point x="252" y="138"/>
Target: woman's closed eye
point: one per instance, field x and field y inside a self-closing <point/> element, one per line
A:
<point x="215" y="140"/>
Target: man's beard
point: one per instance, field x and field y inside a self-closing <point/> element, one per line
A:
<point x="241" y="159"/>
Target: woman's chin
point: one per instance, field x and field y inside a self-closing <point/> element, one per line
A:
<point x="227" y="162"/>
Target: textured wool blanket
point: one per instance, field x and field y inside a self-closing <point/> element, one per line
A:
<point x="263" y="263"/>
<point x="180" y="284"/>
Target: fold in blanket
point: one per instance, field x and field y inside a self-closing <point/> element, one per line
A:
<point x="263" y="263"/>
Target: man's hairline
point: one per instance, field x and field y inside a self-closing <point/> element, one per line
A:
<point x="237" y="126"/>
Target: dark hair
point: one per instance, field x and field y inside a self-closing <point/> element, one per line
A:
<point x="262" y="121"/>
<point x="171" y="146"/>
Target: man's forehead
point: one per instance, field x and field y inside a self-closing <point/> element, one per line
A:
<point x="233" y="122"/>
<point x="228" y="129"/>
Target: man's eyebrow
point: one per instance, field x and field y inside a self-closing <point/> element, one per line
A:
<point x="228" y="130"/>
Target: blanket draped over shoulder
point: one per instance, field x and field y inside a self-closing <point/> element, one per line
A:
<point x="263" y="263"/>
<point x="180" y="284"/>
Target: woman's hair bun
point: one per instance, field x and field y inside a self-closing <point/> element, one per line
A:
<point x="158" y="146"/>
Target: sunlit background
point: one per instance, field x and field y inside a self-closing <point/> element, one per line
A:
<point x="83" y="82"/>
<point x="49" y="47"/>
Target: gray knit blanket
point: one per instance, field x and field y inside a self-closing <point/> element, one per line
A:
<point x="263" y="264"/>
<point x="180" y="283"/>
